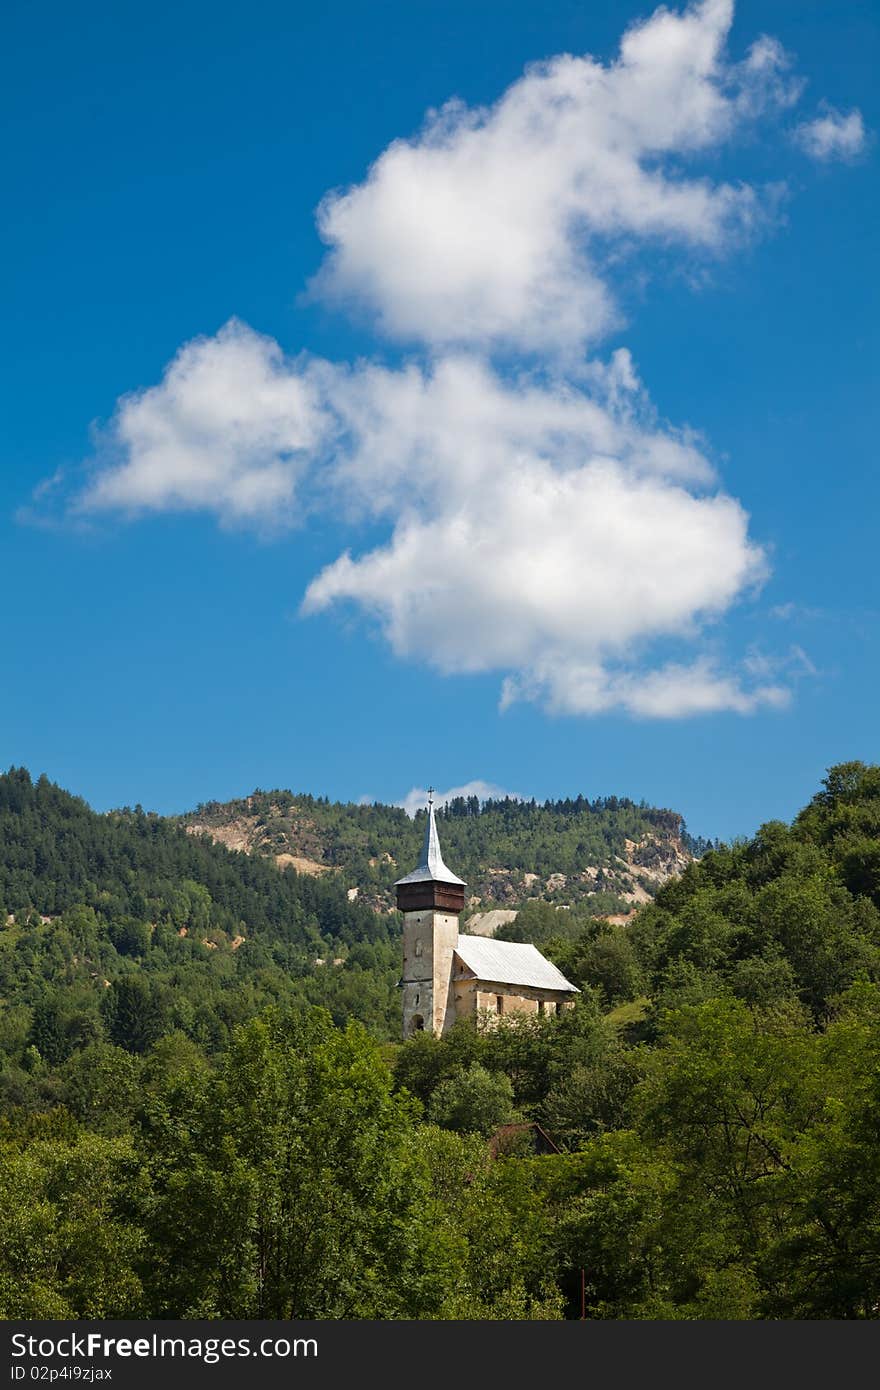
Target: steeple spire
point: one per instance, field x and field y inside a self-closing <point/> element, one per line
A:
<point x="430" y="868"/>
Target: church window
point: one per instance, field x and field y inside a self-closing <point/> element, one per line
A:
<point x="499" y="1003"/>
<point x="417" y="949"/>
<point x="559" y="1006"/>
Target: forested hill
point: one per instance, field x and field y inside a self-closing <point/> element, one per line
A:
<point x="612" y="851"/>
<point x="181" y="1136"/>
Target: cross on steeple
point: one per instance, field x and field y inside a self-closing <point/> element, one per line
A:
<point x="430" y="796"/>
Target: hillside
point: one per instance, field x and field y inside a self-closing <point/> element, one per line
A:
<point x="610" y="854"/>
<point x="183" y="1135"/>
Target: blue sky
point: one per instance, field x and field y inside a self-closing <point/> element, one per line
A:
<point x="582" y="389"/>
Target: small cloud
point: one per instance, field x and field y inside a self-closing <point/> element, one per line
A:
<point x="794" y="612"/>
<point x="801" y="663"/>
<point x="783" y="611"/>
<point x="417" y="798"/>
<point x="765" y="78"/>
<point x="48" y="485"/>
<point x="40" y="511"/>
<point x="832" y="135"/>
<point x="791" y="665"/>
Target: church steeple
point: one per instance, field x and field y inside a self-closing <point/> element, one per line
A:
<point x="430" y="898"/>
<point x="431" y="883"/>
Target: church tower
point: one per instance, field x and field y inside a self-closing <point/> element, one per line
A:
<point x="430" y="898"/>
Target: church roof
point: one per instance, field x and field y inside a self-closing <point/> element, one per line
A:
<point x="510" y="963"/>
<point x="430" y="868"/>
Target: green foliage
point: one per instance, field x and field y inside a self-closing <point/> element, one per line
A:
<point x="293" y="1182"/>
<point x="792" y="914"/>
<point x="602" y="958"/>
<point x="143" y="875"/>
<point x="292" y="1164"/>
<point x="475" y="1101"/>
<point x="67" y="1244"/>
<point x="592" y="1098"/>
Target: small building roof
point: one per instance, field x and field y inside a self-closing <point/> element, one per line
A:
<point x="430" y="868"/>
<point x="511" y="963"/>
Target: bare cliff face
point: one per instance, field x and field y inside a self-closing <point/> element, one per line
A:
<point x="287" y="831"/>
<point x="292" y="840"/>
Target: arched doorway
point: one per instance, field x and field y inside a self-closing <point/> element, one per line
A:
<point x="417" y="1024"/>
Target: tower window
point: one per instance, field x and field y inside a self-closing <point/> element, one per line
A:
<point x="417" y="999"/>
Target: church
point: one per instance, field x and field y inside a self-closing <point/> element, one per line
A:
<point x="447" y="976"/>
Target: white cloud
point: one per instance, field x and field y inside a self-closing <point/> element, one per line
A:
<point x="541" y="564"/>
<point x="833" y="135"/>
<point x="490" y="227"/>
<point x="540" y="533"/>
<point x="416" y="798"/>
<point x="228" y="430"/>
<point x="672" y="691"/>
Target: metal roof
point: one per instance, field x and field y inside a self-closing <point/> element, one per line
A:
<point x="430" y="868"/>
<point x="510" y="963"/>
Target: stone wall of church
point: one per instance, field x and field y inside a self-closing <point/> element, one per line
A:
<point x="481" y="998"/>
<point x="429" y="939"/>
